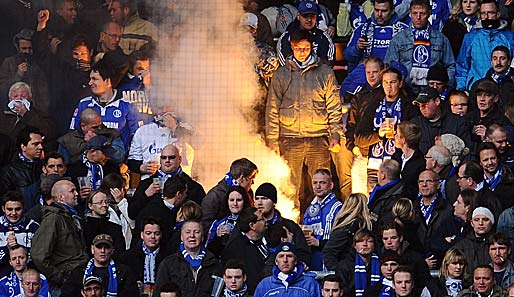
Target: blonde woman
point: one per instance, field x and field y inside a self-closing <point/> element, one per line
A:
<point x="452" y="276"/>
<point x="354" y="215"/>
<point x="404" y="216"/>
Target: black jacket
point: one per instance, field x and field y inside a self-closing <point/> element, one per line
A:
<point x="505" y="190"/>
<point x="338" y="244"/>
<point x="175" y="268"/>
<point x="475" y="249"/>
<point x="139" y="200"/>
<point x="134" y="258"/>
<point x="241" y="248"/>
<point x="23" y="177"/>
<point x="94" y="226"/>
<point x="127" y="284"/>
<point x="447" y="124"/>
<point x="410" y="172"/>
<point x="156" y="208"/>
<point x="383" y="202"/>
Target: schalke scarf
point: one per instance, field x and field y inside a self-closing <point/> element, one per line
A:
<point x="18" y="226"/>
<point x="95" y="172"/>
<point x="230" y="181"/>
<point x="427" y="210"/>
<point x="287" y="279"/>
<point x="453" y="286"/>
<point x="494" y="181"/>
<point x="240" y="293"/>
<point x="469" y="22"/>
<point x="23" y="101"/>
<point x="386" y="147"/>
<point x="112" y="289"/>
<point x="420" y="55"/>
<point x="367" y="32"/>
<point x="314" y="216"/>
<point x="161" y="173"/>
<point x="361" y="275"/>
<point x="387" y="288"/>
<point x="149" y="271"/>
<point x="26" y="160"/>
<point x="194" y="262"/>
<point x="500" y="78"/>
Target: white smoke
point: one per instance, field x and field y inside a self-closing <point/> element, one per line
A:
<point x="204" y="72"/>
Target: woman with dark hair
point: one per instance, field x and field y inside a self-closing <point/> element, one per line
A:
<point x="452" y="276"/>
<point x="114" y="183"/>
<point x="236" y="201"/>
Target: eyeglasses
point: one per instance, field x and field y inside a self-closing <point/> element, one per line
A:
<point x="301" y="49"/>
<point x="103" y="202"/>
<point x="172" y="157"/>
<point x="428" y="157"/>
<point x="461" y="177"/>
<point x="488" y="13"/>
<point x="428" y="181"/>
<point x="115" y="36"/>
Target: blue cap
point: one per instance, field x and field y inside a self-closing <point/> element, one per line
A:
<point x="100" y="142"/>
<point x="308" y="7"/>
<point x="286" y="247"/>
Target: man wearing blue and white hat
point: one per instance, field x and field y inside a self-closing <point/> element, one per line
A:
<point x="288" y="278"/>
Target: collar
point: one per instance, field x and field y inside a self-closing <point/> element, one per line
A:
<point x="113" y="102"/>
<point x="168" y="204"/>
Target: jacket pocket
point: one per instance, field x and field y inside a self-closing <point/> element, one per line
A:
<point x="319" y="112"/>
<point x="437" y="53"/>
<point x="405" y="52"/>
<point x="287" y="116"/>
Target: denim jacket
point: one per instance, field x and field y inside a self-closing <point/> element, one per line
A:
<point x="402" y="45"/>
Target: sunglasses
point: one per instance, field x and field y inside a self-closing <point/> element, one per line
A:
<point x="172" y="157"/>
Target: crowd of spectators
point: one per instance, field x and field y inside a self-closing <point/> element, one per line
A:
<point x="96" y="184"/>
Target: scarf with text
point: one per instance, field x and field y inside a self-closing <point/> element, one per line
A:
<point x="361" y="275"/>
<point x="385" y="148"/>
<point x="149" y="271"/>
<point x="387" y="289"/>
<point x="95" y="172"/>
<point x="18" y="226"/>
<point x="194" y="262"/>
<point x="453" y="286"/>
<point x="420" y="55"/>
<point x="112" y="288"/>
<point x="240" y="293"/>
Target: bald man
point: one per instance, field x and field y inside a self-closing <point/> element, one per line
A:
<point x="59" y="247"/>
<point x="169" y="166"/>
<point x="73" y="143"/>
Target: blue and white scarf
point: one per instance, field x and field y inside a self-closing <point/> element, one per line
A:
<point x="161" y="173"/>
<point x="494" y="181"/>
<point x="387" y="288"/>
<point x="427" y="210"/>
<point x="273" y="220"/>
<point x="195" y="263"/>
<point x="453" y="286"/>
<point x="420" y="55"/>
<point x="230" y="220"/>
<point x="499" y="78"/>
<point x="315" y="218"/>
<point x="361" y="275"/>
<point x="386" y="147"/>
<point x="469" y="22"/>
<point x="18" y="226"/>
<point x="95" y="172"/>
<point x="112" y="289"/>
<point x="230" y="181"/>
<point x="149" y="271"/>
<point x="27" y="160"/>
<point x="287" y="279"/>
<point x="240" y="293"/>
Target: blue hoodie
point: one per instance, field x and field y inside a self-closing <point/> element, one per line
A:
<point x="299" y="286"/>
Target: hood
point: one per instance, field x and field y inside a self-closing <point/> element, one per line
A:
<point x="294" y="67"/>
<point x="503" y="25"/>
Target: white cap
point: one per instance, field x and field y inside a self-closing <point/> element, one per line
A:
<point x="484" y="212"/>
<point x="249" y="19"/>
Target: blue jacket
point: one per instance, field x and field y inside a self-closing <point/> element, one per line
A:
<point x="380" y="36"/>
<point x="300" y="286"/>
<point x="475" y="53"/>
<point x="440" y="13"/>
<point x="134" y="91"/>
<point x="117" y="113"/>
<point x="10" y="286"/>
<point x="24" y="230"/>
<point x="401" y="47"/>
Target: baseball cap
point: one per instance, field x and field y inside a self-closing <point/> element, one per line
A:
<point x="487" y="86"/>
<point x="308" y="7"/>
<point x="103" y="238"/>
<point x="91" y="279"/>
<point x="100" y="142"/>
<point x="426" y="95"/>
<point x="249" y="19"/>
<point x="286" y="247"/>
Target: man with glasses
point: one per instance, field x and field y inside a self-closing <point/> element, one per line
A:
<point x="169" y="165"/>
<point x="432" y="210"/>
<point x="475" y="53"/>
<point x="31" y="284"/>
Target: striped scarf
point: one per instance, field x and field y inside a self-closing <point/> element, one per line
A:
<point x="95" y="172"/>
<point x="361" y="275"/>
<point x="112" y="288"/>
<point x="196" y="262"/>
<point x="149" y="271"/>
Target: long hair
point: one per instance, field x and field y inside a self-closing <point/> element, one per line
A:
<point x="354" y="208"/>
<point x="402" y="210"/>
